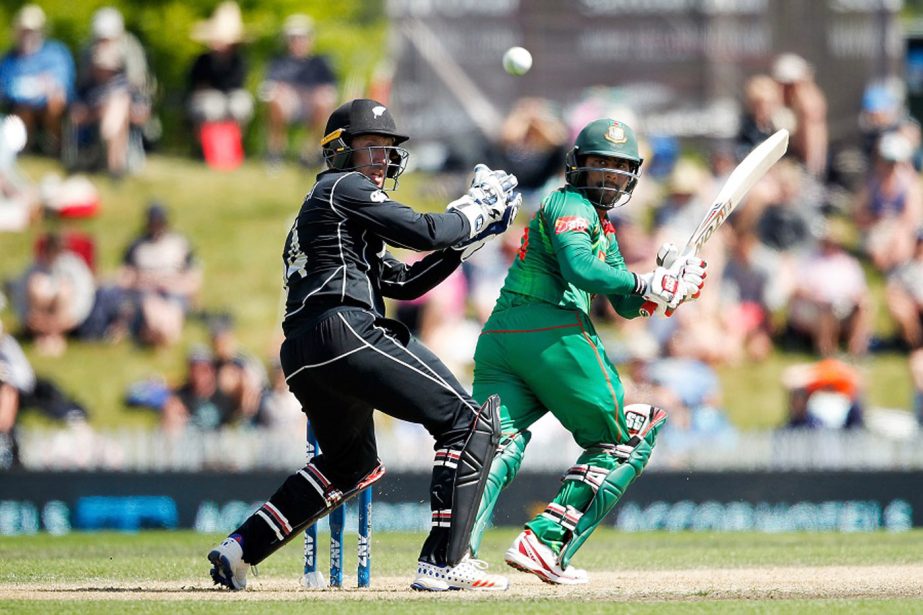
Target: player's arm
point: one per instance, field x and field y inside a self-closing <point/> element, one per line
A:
<point x="356" y="197"/>
<point x="579" y="264"/>
<point x="401" y="281"/>
<point x="627" y="306"/>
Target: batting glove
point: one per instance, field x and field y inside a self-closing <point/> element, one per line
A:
<point x="659" y="288"/>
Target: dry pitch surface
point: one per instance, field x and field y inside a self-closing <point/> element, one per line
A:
<point x="804" y="582"/>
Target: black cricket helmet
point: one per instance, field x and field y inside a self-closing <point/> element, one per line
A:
<point x="611" y="139"/>
<point x="362" y="116"/>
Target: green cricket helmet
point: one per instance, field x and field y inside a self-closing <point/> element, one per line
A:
<point x="362" y="116"/>
<point x="611" y="139"/>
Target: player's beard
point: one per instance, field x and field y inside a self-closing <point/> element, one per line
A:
<point x="604" y="195"/>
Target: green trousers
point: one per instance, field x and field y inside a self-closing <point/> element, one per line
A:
<point x="538" y="359"/>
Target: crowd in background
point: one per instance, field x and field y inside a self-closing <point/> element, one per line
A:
<point x="792" y="269"/>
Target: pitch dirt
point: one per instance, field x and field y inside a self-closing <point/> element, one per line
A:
<point x="826" y="582"/>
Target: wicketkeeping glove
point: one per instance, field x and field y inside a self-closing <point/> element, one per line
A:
<point x="491" y="194"/>
<point x="470" y="246"/>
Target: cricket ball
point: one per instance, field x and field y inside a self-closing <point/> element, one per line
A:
<point x="517" y="61"/>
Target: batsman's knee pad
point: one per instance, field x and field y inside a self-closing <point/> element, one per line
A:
<point x="473" y="466"/>
<point x="503" y="470"/>
<point x="295" y="505"/>
<point x="608" y="484"/>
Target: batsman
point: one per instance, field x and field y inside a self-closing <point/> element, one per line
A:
<point x="540" y="353"/>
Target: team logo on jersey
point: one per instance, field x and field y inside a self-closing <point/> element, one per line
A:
<point x="570" y="223"/>
<point x="377" y="111"/>
<point x="616" y="134"/>
<point x="378" y="196"/>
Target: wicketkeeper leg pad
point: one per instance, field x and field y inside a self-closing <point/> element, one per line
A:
<point x="502" y="472"/>
<point x="474" y="463"/>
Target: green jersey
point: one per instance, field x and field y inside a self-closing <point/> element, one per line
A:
<point x="567" y="255"/>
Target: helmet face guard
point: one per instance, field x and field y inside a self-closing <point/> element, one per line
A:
<point x="606" y="196"/>
<point x="609" y="139"/>
<point x="362" y="117"/>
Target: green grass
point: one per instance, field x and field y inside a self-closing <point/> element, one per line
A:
<point x="237" y="221"/>
<point x="154" y="563"/>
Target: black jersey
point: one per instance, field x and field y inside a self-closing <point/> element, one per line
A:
<point x="336" y="255"/>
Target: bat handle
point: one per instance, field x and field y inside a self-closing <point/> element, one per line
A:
<point x="649" y="307"/>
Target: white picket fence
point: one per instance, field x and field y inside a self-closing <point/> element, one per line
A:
<point x="408" y="448"/>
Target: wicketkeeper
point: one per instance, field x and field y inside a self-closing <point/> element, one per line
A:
<point x="540" y="353"/>
<point x="343" y="359"/>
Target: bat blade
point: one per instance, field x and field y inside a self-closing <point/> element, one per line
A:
<point x="750" y="170"/>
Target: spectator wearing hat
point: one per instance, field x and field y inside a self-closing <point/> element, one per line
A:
<point x="161" y="274"/>
<point x="37" y="77"/>
<point x="114" y="90"/>
<point x="198" y="402"/>
<point x="216" y="79"/>
<point x="889" y="208"/>
<point x="763" y="112"/>
<point x="808" y="108"/>
<point x="300" y="87"/>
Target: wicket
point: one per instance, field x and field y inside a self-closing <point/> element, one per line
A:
<point x="314" y="578"/>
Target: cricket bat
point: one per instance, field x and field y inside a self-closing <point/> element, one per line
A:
<point x="750" y="170"/>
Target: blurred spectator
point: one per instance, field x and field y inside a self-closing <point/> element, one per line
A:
<point x="831" y="299"/>
<point x="300" y="87"/>
<point x="19" y="198"/>
<point x="763" y="111"/>
<point x="808" y="107"/>
<point x="37" y="78"/>
<point x="160" y="272"/>
<point x="889" y="208"/>
<point x="241" y="378"/>
<point x="16" y="379"/>
<point x="882" y="111"/>
<point x="746" y="313"/>
<point x="531" y="146"/>
<point x="59" y="293"/>
<point x="691" y="392"/>
<point x="823" y="394"/>
<point x="904" y="296"/>
<point x="217" y="77"/>
<point x="916" y="375"/>
<point x="279" y="408"/>
<point x="198" y="402"/>
<point x="114" y="91"/>
<point x="21" y="389"/>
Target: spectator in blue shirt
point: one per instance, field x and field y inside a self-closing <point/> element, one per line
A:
<point x="37" y="77"/>
<point x="299" y="87"/>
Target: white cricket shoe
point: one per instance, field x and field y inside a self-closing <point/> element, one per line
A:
<point x="468" y="574"/>
<point x="229" y="569"/>
<point x="529" y="554"/>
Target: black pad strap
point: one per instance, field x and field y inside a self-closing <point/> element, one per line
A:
<point x="471" y="476"/>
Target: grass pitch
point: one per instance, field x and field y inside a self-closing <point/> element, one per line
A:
<point x="160" y="572"/>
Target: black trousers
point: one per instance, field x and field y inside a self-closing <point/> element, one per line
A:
<point x="349" y="363"/>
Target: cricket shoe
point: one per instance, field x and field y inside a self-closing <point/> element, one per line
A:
<point x="229" y="568"/>
<point x="468" y="574"/>
<point x="529" y="554"/>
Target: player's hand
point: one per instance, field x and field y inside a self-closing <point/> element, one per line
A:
<point x="661" y="288"/>
<point x="491" y="195"/>
<point x="492" y="187"/>
<point x="691" y="271"/>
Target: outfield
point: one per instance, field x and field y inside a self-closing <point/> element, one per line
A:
<point x="160" y="572"/>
